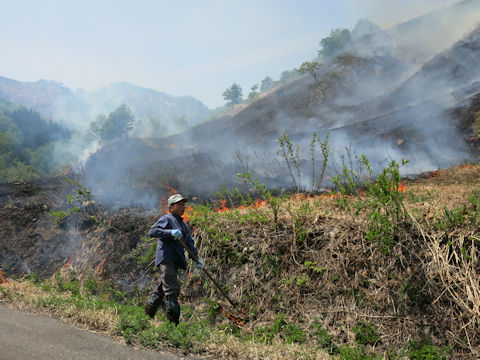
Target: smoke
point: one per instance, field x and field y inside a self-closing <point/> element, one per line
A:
<point x="391" y="97"/>
<point x="154" y="111"/>
<point x="389" y="13"/>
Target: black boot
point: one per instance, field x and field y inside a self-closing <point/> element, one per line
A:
<point x="172" y="309"/>
<point x="153" y="303"/>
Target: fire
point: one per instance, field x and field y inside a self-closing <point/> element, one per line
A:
<point x="189" y="212"/>
<point x="222" y="207"/>
<point x="433" y="174"/>
<point x="70" y="259"/>
<point x="401" y="187"/>
<point x="100" y="265"/>
<point x="258" y="204"/>
<point x="2" y="279"/>
<point x="171" y="189"/>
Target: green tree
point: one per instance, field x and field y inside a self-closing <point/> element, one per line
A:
<point x="253" y="93"/>
<point x="310" y="68"/>
<point x="266" y="84"/>
<point x="335" y="43"/>
<point x="288" y="75"/>
<point x="233" y="94"/>
<point x="116" y="125"/>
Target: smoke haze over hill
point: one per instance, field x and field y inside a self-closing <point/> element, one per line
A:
<point x="404" y="92"/>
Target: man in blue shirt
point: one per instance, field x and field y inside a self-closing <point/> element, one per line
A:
<point x="170" y="257"/>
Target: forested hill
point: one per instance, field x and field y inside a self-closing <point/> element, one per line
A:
<point x="155" y="111"/>
<point x="27" y="143"/>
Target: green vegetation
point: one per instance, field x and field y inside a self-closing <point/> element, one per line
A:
<point x="310" y="67"/>
<point x="365" y="333"/>
<point x="288" y="332"/>
<point x="116" y="125"/>
<point x="27" y="144"/>
<point x="335" y="43"/>
<point x="233" y="95"/>
<point x="82" y="197"/>
<point x="383" y="199"/>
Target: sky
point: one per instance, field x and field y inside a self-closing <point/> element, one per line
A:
<point x="183" y="47"/>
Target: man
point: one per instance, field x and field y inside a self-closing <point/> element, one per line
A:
<point x="170" y="257"/>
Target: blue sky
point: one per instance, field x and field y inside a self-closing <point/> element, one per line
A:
<point x="196" y="48"/>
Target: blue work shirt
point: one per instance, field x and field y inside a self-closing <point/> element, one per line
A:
<point x="167" y="247"/>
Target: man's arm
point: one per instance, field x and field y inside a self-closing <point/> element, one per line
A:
<point x="161" y="229"/>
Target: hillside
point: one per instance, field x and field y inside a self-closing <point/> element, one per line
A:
<point x="325" y="276"/>
<point x="154" y="110"/>
<point x="368" y="106"/>
<point x="417" y="40"/>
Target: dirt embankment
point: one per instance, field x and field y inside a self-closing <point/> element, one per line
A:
<point x="315" y="264"/>
<point x="43" y="228"/>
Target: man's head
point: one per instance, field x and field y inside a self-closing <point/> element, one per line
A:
<point x="176" y="204"/>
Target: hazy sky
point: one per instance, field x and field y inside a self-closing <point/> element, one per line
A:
<point x="196" y="47"/>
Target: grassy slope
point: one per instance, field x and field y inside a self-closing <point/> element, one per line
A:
<point x="312" y="283"/>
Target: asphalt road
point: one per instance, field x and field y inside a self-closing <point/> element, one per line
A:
<point x="30" y="336"/>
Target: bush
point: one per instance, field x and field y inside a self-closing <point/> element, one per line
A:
<point x="290" y="333"/>
<point x="356" y="353"/>
<point x="184" y="336"/>
<point x="428" y="352"/>
<point x="131" y="322"/>
<point x="366" y="333"/>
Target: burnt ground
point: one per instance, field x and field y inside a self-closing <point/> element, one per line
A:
<point x="94" y="240"/>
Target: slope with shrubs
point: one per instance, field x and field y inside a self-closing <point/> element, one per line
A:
<point x="383" y="268"/>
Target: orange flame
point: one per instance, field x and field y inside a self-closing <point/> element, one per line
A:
<point x="188" y="213"/>
<point x="171" y="189"/>
<point x="100" y="265"/>
<point x="258" y="204"/>
<point x="222" y="207"/>
<point x="401" y="187"/>
<point x="433" y="174"/>
<point x="2" y="279"/>
<point x="70" y="259"/>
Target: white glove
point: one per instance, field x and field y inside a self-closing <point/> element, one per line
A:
<point x="200" y="265"/>
<point x="177" y="234"/>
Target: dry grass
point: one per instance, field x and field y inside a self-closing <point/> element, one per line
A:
<point x="423" y="289"/>
<point x="27" y="296"/>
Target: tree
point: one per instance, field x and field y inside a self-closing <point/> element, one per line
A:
<point x="310" y="68"/>
<point x="335" y="43"/>
<point x="233" y="94"/>
<point x="266" y="84"/>
<point x="288" y="75"/>
<point x="253" y="93"/>
<point x="116" y="125"/>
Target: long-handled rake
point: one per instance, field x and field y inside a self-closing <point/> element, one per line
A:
<point x="235" y="319"/>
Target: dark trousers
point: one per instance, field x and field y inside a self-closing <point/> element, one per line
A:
<point x="167" y="279"/>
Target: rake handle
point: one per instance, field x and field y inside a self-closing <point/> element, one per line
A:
<point x="207" y="273"/>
